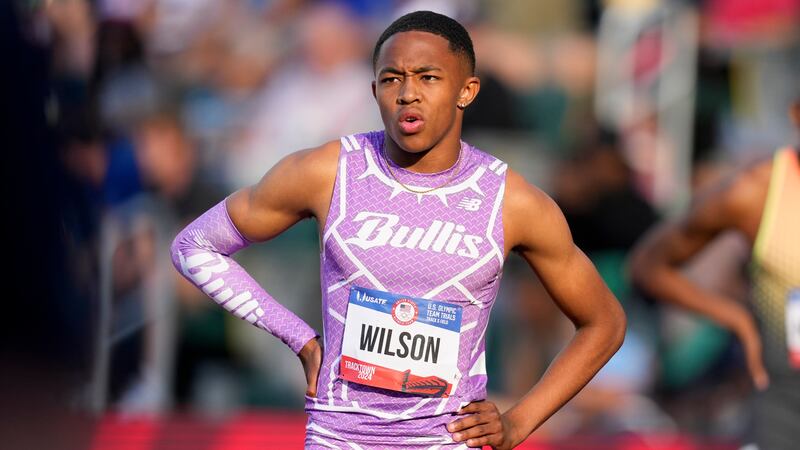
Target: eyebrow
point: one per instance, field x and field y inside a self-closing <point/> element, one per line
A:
<point x="415" y="70"/>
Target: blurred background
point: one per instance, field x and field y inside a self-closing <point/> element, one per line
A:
<point x="125" y="119"/>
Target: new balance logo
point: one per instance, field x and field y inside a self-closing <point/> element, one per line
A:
<point x="379" y="230"/>
<point x="469" y="204"/>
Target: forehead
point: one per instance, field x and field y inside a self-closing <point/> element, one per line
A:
<point x="418" y="48"/>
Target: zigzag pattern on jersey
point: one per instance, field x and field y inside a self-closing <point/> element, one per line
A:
<point x="470" y="205"/>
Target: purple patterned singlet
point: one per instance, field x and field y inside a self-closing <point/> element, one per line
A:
<point x="443" y="245"/>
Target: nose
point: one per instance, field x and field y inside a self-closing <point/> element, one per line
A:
<point x="409" y="92"/>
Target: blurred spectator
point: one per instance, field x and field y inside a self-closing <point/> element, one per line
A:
<point x="168" y="162"/>
<point x="596" y="191"/>
<point x="597" y="194"/>
<point x="329" y="76"/>
<point x="125" y="86"/>
<point x="85" y="163"/>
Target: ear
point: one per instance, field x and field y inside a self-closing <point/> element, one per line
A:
<point x="374" y="95"/>
<point x="470" y="89"/>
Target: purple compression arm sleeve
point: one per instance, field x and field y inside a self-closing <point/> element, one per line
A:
<point x="201" y="253"/>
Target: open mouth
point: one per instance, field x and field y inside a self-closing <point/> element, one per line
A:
<point x="411" y="122"/>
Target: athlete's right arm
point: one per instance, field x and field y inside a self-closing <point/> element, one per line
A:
<point x="656" y="260"/>
<point x="299" y="186"/>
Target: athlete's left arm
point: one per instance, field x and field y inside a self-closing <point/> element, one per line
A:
<point x="535" y="228"/>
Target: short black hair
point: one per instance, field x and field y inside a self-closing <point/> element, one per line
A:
<point x="430" y="22"/>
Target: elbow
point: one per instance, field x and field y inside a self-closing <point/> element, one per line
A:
<point x="608" y="331"/>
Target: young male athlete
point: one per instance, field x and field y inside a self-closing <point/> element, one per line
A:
<point x="763" y="203"/>
<point x="415" y="226"/>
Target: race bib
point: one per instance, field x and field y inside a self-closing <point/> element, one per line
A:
<point x="401" y="343"/>
<point x="793" y="327"/>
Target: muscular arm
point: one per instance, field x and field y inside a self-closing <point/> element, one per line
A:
<point x="536" y="229"/>
<point x="539" y="232"/>
<point x="299" y="186"/>
<point x="735" y="204"/>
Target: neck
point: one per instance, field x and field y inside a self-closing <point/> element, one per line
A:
<point x="440" y="157"/>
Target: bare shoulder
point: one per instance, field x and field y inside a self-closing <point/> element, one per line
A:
<point x="318" y="162"/>
<point x="298" y="186"/>
<point x="521" y="196"/>
<point x="305" y="176"/>
<point x="530" y="216"/>
<point x="312" y="165"/>
<point x="736" y="201"/>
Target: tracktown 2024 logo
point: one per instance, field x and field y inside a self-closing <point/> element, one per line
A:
<point x="380" y="229"/>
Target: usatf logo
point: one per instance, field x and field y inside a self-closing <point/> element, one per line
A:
<point x="469" y="204"/>
<point x="405" y="312"/>
<point x="380" y="229"/>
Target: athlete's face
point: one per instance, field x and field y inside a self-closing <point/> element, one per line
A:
<point x="419" y="83"/>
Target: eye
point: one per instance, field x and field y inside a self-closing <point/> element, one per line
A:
<point x="387" y="80"/>
<point x="430" y="77"/>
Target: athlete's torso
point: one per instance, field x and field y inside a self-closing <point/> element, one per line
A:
<point x="444" y="245"/>
<point x="775" y="275"/>
<point x="775" y="267"/>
